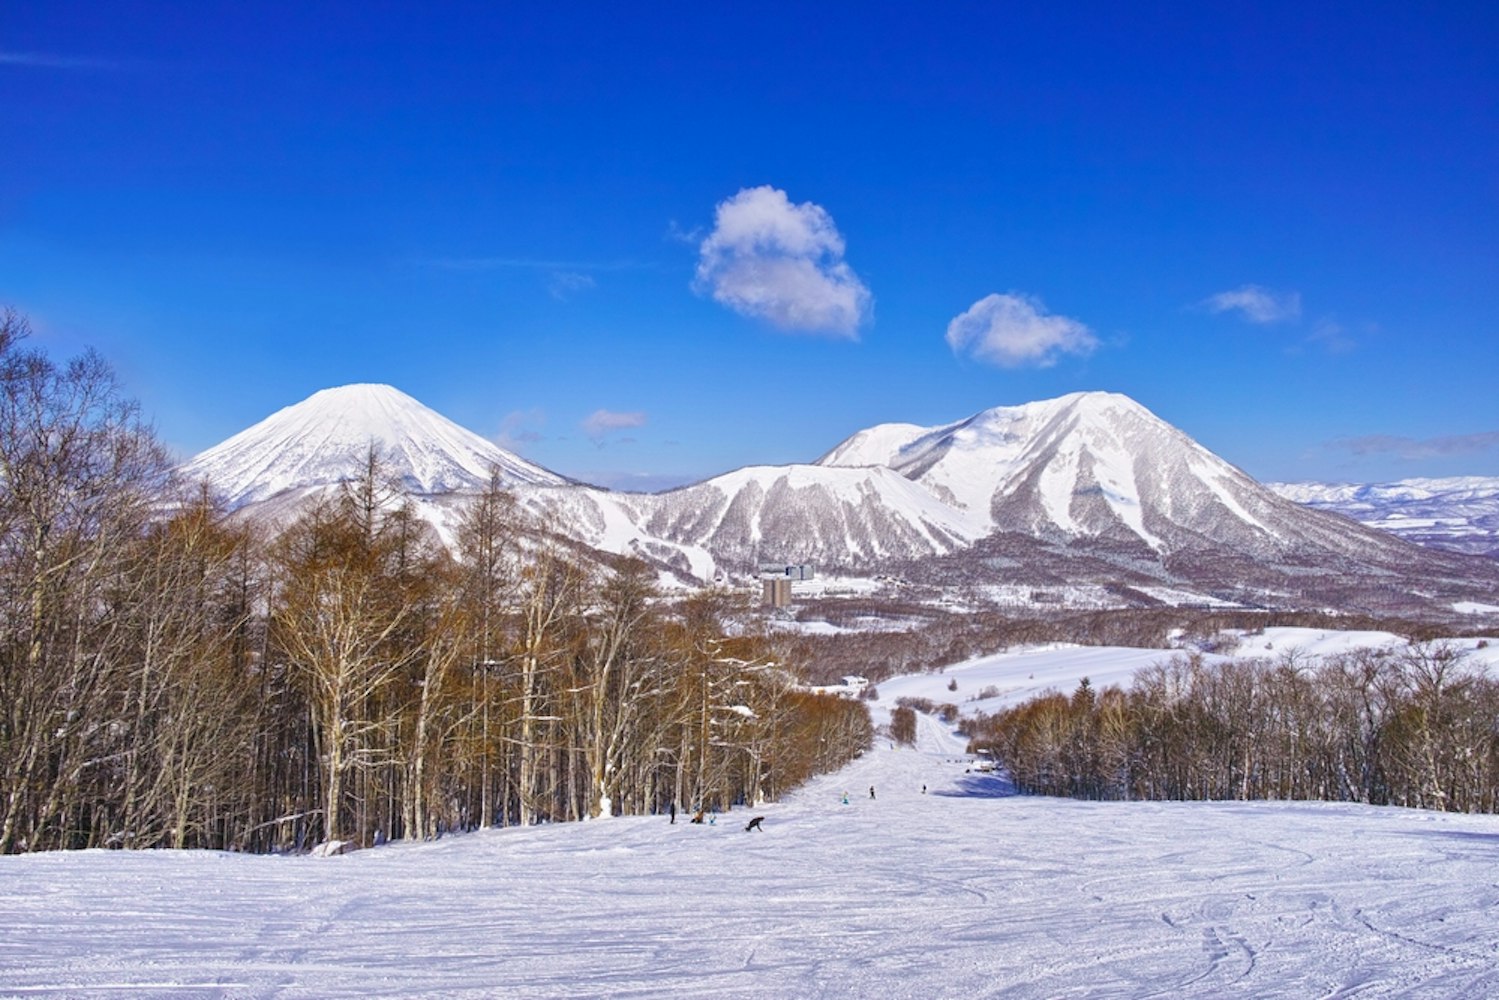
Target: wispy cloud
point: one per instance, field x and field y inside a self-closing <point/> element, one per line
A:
<point x="534" y="264"/>
<point x="565" y="279"/>
<point x="1256" y="304"/>
<point x="1015" y="330"/>
<point x="565" y="284"/>
<point x="49" y="60"/>
<point x="676" y="234"/>
<point x="1332" y="337"/>
<point x="1418" y="449"/>
<point x="783" y="263"/>
<point x="519" y="428"/>
<point x="599" y="424"/>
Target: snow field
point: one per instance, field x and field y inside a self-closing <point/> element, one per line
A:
<point x="960" y="891"/>
<point x="1018" y="675"/>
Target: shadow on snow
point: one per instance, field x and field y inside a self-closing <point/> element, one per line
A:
<point x="980" y="786"/>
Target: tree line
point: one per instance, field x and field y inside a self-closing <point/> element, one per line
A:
<point x="919" y="635"/>
<point x="173" y="676"/>
<point x="1408" y="727"/>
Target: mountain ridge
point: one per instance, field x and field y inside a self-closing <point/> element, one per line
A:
<point x="1457" y="513"/>
<point x="1089" y="487"/>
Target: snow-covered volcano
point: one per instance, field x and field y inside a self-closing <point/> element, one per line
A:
<point x="325" y="439"/>
<point x="1097" y="466"/>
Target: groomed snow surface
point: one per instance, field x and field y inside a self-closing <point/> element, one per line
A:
<point x="963" y="890"/>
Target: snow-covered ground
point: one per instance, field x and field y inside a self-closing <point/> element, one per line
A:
<point x="990" y="683"/>
<point x="960" y="890"/>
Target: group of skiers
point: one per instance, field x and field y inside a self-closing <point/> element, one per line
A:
<point x="754" y="824"/>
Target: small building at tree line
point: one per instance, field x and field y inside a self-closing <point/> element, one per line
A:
<point x="776" y="580"/>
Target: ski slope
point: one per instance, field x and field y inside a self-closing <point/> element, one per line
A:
<point x="962" y="890"/>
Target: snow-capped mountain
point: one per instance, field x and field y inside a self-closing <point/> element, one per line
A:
<point x="1459" y="513"/>
<point x="325" y="439"/>
<point x="854" y="519"/>
<point x="1088" y="489"/>
<point x="1098" y="466"/>
<point x="857" y="518"/>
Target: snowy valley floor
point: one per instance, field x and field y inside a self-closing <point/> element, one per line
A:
<point x="964" y="891"/>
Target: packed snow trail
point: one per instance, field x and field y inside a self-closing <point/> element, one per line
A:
<point x="964" y="891"/>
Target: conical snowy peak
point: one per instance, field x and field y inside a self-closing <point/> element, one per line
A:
<point x="1090" y="465"/>
<point x="324" y="440"/>
<point x="969" y="461"/>
<point x="996" y="430"/>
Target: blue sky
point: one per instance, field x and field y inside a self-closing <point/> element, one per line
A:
<point x="644" y="249"/>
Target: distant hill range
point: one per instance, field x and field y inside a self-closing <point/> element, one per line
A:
<point x="1087" y="498"/>
<point x="1460" y="514"/>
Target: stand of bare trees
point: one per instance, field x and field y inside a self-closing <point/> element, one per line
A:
<point x="1414" y="727"/>
<point x="170" y="678"/>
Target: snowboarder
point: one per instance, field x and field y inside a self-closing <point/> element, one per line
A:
<point x="923" y="789"/>
<point x="673" y="811"/>
<point x="845" y="798"/>
<point x="754" y="824"/>
<point x="871" y="791"/>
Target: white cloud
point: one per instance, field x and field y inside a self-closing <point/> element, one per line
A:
<point x="565" y="284"/>
<point x="1015" y="330"/>
<point x="783" y="263"/>
<point x="1256" y="304"/>
<point x="601" y="423"/>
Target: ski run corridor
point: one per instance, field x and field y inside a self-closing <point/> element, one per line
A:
<point x="963" y="890"/>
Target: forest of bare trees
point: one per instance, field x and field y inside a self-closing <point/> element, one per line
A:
<point x="1409" y="727"/>
<point x="170" y="676"/>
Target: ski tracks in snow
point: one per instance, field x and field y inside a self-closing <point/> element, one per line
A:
<point x="964" y="890"/>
